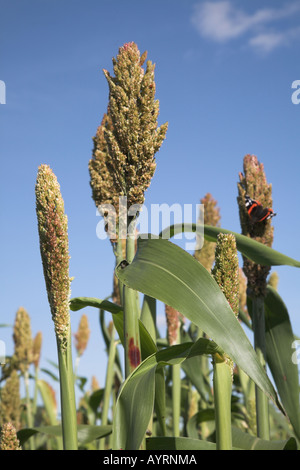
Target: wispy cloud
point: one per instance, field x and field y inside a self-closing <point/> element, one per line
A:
<point x="221" y="22"/>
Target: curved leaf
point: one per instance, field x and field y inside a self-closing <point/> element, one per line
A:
<point x="135" y="401"/>
<point x="168" y="273"/>
<point x="148" y="346"/>
<point x="257" y="252"/>
<point x="202" y="416"/>
<point x="77" y="303"/>
<point x="279" y="340"/>
<point x="241" y="440"/>
<point x="86" y="433"/>
<point x="179" y="443"/>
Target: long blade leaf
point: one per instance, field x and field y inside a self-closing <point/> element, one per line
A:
<point x="257" y="252"/>
<point x="168" y="273"/>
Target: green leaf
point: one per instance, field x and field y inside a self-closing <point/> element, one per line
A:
<point x="135" y="401"/>
<point x="48" y="372"/>
<point x="148" y="346"/>
<point x="168" y="273"/>
<point x="279" y="340"/>
<point x="257" y="252"/>
<point x="178" y="443"/>
<point x="86" y="433"/>
<point x="241" y="440"/>
<point x="202" y="416"/>
<point x="95" y="399"/>
<point x="48" y="400"/>
<point x="77" y="303"/>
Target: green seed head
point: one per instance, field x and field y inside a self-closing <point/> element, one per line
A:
<point x="226" y="274"/>
<point x="226" y="269"/>
<point x="54" y="247"/>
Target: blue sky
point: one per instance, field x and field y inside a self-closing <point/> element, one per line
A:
<point x="224" y="71"/>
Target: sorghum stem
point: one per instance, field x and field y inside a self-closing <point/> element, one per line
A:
<point x="262" y="403"/>
<point x="67" y="392"/>
<point x="222" y="384"/>
<point x="108" y="383"/>
<point x="131" y="317"/>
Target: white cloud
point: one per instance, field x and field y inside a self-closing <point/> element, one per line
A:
<point x="221" y="22"/>
<point x="266" y="42"/>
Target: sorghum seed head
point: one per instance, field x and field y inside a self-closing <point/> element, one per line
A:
<point x="128" y="138"/>
<point x="22" y="341"/>
<point x="82" y="335"/>
<point x="10" y="404"/>
<point x="211" y="216"/>
<point x="254" y="184"/>
<point x="8" y="438"/>
<point x="226" y="269"/>
<point x="54" y="247"/>
<point x="36" y="349"/>
<point x="173" y="324"/>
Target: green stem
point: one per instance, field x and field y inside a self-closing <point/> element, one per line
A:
<point x="222" y="385"/>
<point x="148" y="318"/>
<point x="148" y="315"/>
<point x="108" y="383"/>
<point x="131" y="317"/>
<point x="176" y="399"/>
<point x="262" y="402"/>
<point x="28" y="408"/>
<point x="34" y="404"/>
<point x="176" y="391"/>
<point x="36" y="378"/>
<point x="67" y="393"/>
<point x="119" y="257"/>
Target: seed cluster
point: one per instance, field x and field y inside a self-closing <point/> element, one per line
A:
<point x="23" y="343"/>
<point x="211" y="216"/>
<point x="10" y="404"/>
<point x="8" y="438"/>
<point x="254" y="183"/>
<point x="226" y="274"/>
<point x="54" y="247"/>
<point x="82" y="336"/>
<point x="123" y="161"/>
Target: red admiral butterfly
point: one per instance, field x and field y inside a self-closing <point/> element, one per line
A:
<point x="256" y="211"/>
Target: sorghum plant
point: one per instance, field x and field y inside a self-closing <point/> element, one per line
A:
<point x="54" y="247"/>
<point x="254" y="184"/>
<point x="23" y="357"/>
<point x="226" y="274"/>
<point x="123" y="164"/>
